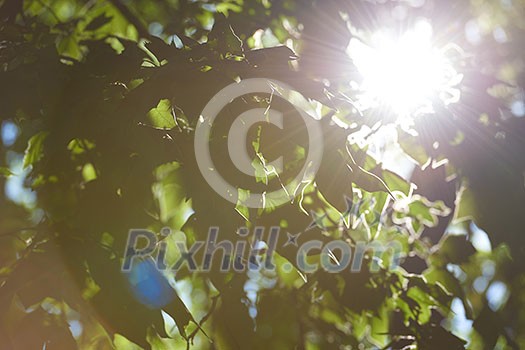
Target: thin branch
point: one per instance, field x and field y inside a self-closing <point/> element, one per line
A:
<point x="202" y="321"/>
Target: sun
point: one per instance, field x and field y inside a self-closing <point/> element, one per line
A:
<point x="403" y="72"/>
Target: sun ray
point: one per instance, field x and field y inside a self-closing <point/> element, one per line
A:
<point x="403" y="72"/>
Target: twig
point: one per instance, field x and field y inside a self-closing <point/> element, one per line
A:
<point x="202" y="321"/>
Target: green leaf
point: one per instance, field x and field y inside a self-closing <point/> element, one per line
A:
<point x="80" y="146"/>
<point x="35" y="147"/>
<point x="122" y="343"/>
<point x="288" y="275"/>
<point x="395" y="182"/>
<point x="379" y="327"/>
<point x="226" y="7"/>
<point x="89" y="173"/>
<point x="455" y="249"/>
<point x="489" y="325"/>
<point x="161" y="117"/>
<point x="451" y="285"/>
<point x="157" y="342"/>
<point x="172" y="249"/>
<point x="434" y="337"/>
<point x="368" y="181"/>
<point x="421" y="209"/>
<point x="415" y="150"/>
<point x="224" y="38"/>
<point x="175" y="208"/>
<point x="5" y="172"/>
<point x="240" y="207"/>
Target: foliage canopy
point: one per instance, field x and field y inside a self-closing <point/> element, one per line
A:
<point x="99" y="100"/>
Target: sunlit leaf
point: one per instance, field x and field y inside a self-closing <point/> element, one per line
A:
<point x="35" y="147"/>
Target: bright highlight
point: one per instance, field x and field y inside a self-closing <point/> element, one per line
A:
<point x="403" y="72"/>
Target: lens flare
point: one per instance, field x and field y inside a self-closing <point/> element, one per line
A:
<point x="403" y="72"/>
